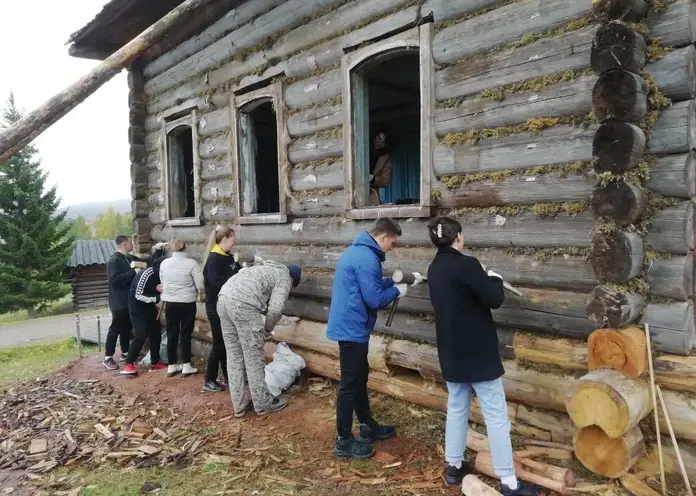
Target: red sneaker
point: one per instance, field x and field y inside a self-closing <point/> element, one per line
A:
<point x="129" y="369"/>
<point x="158" y="366"/>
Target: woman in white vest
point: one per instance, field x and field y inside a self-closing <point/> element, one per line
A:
<point x="182" y="280"/>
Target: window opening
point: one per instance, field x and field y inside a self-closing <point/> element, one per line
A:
<point x="181" y="173"/>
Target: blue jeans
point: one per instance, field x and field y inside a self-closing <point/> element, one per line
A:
<point x="491" y="397"/>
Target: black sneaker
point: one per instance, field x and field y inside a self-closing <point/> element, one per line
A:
<point x="276" y="405"/>
<point x="353" y="448"/>
<point x="523" y="489"/>
<point x="123" y="357"/>
<point x="375" y="432"/>
<point x="211" y="387"/>
<point x="110" y="363"/>
<point x="243" y="411"/>
<point x="455" y="475"/>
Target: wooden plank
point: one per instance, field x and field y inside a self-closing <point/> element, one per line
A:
<point x="313" y="90"/>
<point x="559" y="144"/>
<point x="310" y="150"/>
<point x="544" y="57"/>
<point x="676" y="26"/>
<point x="230" y="21"/>
<point x="320" y="204"/>
<point x="674" y="175"/>
<point x="563" y="99"/>
<point x="675" y="129"/>
<point x="504" y="25"/>
<point x="287" y="15"/>
<point x="673" y="278"/>
<point x="325" y="176"/>
<point x="671" y="326"/>
<point x="518" y="190"/>
<point x="672" y="230"/>
<point x="315" y="120"/>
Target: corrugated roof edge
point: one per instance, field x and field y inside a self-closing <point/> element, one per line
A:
<point x="91" y="252"/>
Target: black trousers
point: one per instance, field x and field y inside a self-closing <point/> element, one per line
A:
<point x="145" y="326"/>
<point x="120" y="329"/>
<point x="352" y="390"/>
<point x="181" y="317"/>
<point x="218" y="353"/>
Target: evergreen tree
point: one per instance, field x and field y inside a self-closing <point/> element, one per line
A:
<point x="35" y="239"/>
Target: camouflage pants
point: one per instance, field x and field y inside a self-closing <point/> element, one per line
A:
<point x="242" y="331"/>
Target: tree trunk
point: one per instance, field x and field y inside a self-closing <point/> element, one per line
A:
<point x="619" y="202"/>
<point x="616" y="46"/>
<point x="610" y="400"/>
<point x="31" y="312"/>
<point x="605" y="456"/>
<point x="617" y="147"/>
<point x="617" y="257"/>
<point x="619" y="95"/>
<point x="624" y="10"/>
<point x="622" y="350"/>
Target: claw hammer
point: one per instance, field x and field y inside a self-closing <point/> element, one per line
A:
<point x="399" y="277"/>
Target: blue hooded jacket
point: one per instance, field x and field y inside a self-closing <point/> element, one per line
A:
<point x="359" y="291"/>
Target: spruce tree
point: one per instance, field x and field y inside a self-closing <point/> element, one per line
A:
<point x="35" y="239"/>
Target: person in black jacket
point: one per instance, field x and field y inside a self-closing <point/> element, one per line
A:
<point x="120" y="272"/>
<point x="218" y="268"/>
<point x="463" y="294"/>
<point x="143" y="297"/>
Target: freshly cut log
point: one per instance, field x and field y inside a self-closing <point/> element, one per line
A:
<point x="571" y="355"/>
<point x="672" y="230"/>
<point x="675" y="129"/>
<point x="620" y="10"/>
<point x="617" y="256"/>
<point x="610" y="400"/>
<point x="484" y="465"/>
<point x="676" y="26"/>
<point x="624" y="350"/>
<point x="617" y="46"/>
<point x="672" y="278"/>
<point x="473" y="486"/>
<point x="617" y="147"/>
<point x="676" y="372"/>
<point x="674" y="175"/>
<point x="32" y="125"/>
<point x="619" y="202"/>
<point x="619" y="95"/>
<point x="637" y="487"/>
<point x="606" y="456"/>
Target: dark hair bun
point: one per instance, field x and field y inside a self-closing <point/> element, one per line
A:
<point x="443" y="231"/>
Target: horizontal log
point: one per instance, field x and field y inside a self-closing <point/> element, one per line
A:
<point x="480" y="230"/>
<point x="672" y="229"/>
<point x="618" y="147"/>
<point x="608" y="456"/>
<point x="214" y="146"/>
<point x="673" y="278"/>
<point x="214" y="191"/>
<point x="214" y="122"/>
<point x="675" y="129"/>
<point x="320" y="204"/>
<point x="617" y="46"/>
<point x="518" y="151"/>
<point x="446" y="10"/>
<point x="675" y="26"/>
<point x="504" y="25"/>
<point x="313" y="90"/>
<point x="619" y="95"/>
<point x="675" y="73"/>
<point x="544" y="57"/>
<point x="218" y="212"/>
<point x="674" y="175"/>
<point x="310" y="150"/>
<point x="315" y="120"/>
<point x="156" y="198"/>
<point x="671" y="326"/>
<point x="518" y="190"/>
<point x="157" y="216"/>
<point x="563" y="99"/>
<point x="328" y="176"/>
<point x="230" y="21"/>
<point x="154" y="180"/>
<point x="216" y="168"/>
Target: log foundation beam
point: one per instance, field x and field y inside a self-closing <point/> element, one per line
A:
<point x="607" y="456"/>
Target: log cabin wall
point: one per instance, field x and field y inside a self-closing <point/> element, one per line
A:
<point x="90" y="287"/>
<point x="523" y="133"/>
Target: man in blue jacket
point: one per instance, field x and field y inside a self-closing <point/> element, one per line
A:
<point x="358" y="292"/>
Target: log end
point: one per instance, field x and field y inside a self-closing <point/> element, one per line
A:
<point x="620" y="10"/>
<point x="616" y="46"/>
<point x="605" y="456"/>
<point x="617" y="147"/>
<point x="608" y="308"/>
<point x="622" y="350"/>
<point x="619" y="202"/>
<point x="690" y="174"/>
<point x="617" y="256"/>
<point x="620" y="95"/>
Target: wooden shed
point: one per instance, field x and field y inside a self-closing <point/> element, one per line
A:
<point x="560" y="132"/>
<point x="86" y="272"/>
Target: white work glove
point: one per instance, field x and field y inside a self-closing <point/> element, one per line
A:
<point x="258" y="260"/>
<point x="419" y="279"/>
<point x="372" y="176"/>
<point x="160" y="246"/>
<point x="402" y="289"/>
<point x="494" y="274"/>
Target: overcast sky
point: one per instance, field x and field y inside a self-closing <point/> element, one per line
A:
<point x="86" y="152"/>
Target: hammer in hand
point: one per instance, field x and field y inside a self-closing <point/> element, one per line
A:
<point x="400" y="277"/>
<point x="506" y="285"/>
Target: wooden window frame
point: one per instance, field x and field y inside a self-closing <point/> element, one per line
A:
<point x="274" y="92"/>
<point x="191" y="120"/>
<point x="419" y="37"/>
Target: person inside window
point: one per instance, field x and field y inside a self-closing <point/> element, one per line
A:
<point x="380" y="167"/>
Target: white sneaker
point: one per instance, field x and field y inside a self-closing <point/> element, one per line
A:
<point x="173" y="370"/>
<point x="188" y="370"/>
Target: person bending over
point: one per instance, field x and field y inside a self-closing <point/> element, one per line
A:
<point x="243" y="300"/>
<point x="358" y="292"/>
<point x="463" y="295"/>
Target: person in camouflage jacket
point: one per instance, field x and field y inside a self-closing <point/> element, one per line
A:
<point x="244" y="299"/>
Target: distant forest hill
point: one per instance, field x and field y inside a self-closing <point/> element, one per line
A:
<point x="90" y="210"/>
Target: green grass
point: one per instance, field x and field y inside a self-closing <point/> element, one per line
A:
<point x="32" y="361"/>
<point x="60" y="307"/>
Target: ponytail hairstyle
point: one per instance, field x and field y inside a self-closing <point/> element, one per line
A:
<point x="443" y="231"/>
<point x="177" y="245"/>
<point x="216" y="235"/>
